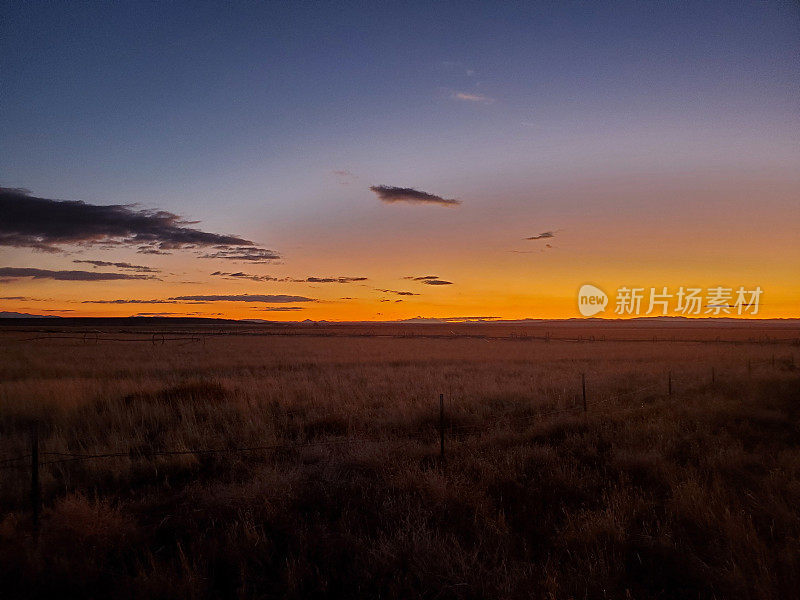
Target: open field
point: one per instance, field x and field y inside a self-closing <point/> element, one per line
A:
<point x="321" y="473"/>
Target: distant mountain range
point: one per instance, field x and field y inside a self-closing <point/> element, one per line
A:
<point x="11" y="317"/>
<point x="18" y="315"/>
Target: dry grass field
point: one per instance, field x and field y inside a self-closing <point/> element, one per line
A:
<point x="321" y="475"/>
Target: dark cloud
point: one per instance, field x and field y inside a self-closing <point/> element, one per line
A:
<point x="388" y="193"/>
<point x="241" y="275"/>
<point x="436" y="282"/>
<point x="16" y="273"/>
<point x="330" y="279"/>
<point x="129" y="302"/>
<point x="281" y="308"/>
<point x="29" y="299"/>
<point x="266" y="298"/>
<point x="120" y="265"/>
<point x="247" y="254"/>
<point x="269" y="299"/>
<point x="398" y="292"/>
<point x="542" y="236"/>
<point x="429" y="280"/>
<point x="45" y="224"/>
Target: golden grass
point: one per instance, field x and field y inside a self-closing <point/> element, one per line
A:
<point x="645" y="496"/>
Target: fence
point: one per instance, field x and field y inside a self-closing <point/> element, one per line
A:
<point x="38" y="458"/>
<point x="196" y="336"/>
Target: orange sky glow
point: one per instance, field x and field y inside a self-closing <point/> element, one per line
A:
<point x="292" y="161"/>
<point x="688" y="231"/>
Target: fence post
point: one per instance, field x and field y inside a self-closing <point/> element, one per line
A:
<point x="669" y="383"/>
<point x="35" y="488"/>
<point x="749" y="367"/>
<point x="713" y="378"/>
<point x="773" y="360"/>
<point x="583" y="388"/>
<point x="441" y="427"/>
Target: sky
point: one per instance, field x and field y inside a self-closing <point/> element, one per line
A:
<point x="371" y="161"/>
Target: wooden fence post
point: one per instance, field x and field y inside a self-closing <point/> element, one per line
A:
<point x="441" y="427"/>
<point x="713" y="378"/>
<point x="35" y="488"/>
<point x="669" y="383"/>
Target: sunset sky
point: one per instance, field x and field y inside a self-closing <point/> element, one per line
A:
<point x="290" y="161"/>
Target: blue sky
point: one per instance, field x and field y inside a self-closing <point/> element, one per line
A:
<point x="238" y="114"/>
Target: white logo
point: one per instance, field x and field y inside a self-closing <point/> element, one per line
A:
<point x="591" y="300"/>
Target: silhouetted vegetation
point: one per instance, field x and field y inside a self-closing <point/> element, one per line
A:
<point x="646" y="495"/>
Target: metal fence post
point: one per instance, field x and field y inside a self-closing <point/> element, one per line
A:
<point x="441" y="427"/>
<point x="583" y="389"/>
<point x="36" y="495"/>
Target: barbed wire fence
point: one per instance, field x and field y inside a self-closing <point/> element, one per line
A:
<point x="583" y="404"/>
<point x="154" y="337"/>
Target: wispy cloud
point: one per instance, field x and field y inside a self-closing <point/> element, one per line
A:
<point x="120" y="265"/>
<point x="398" y="292"/>
<point x="265" y="298"/>
<point x="7" y="273"/>
<point x="388" y="193"/>
<point x="45" y="224"/>
<point x="429" y="279"/>
<point x="202" y="299"/>
<point x="457" y="66"/>
<point x="130" y="301"/>
<point x="281" y="308"/>
<point x="437" y="282"/>
<point x="542" y="236"/>
<point x="246" y="254"/>
<point x="241" y="275"/>
<point x="344" y="177"/>
<point x="330" y="279"/>
<point x="471" y="97"/>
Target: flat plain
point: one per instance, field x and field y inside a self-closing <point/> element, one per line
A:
<point x="399" y="461"/>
